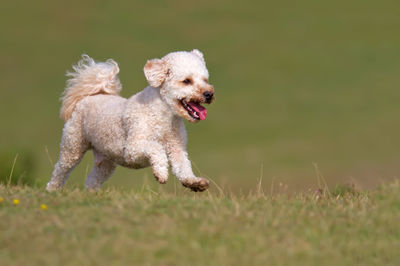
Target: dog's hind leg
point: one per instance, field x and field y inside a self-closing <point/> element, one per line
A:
<point x="73" y="146"/>
<point x="101" y="171"/>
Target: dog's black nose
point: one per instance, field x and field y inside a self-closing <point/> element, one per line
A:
<point x="208" y="95"/>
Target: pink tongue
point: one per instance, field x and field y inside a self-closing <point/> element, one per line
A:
<point x="200" y="110"/>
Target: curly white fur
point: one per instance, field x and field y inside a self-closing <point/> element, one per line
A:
<point x="89" y="78"/>
<point x="144" y="130"/>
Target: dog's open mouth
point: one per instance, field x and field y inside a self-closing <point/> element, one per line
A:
<point x="195" y="109"/>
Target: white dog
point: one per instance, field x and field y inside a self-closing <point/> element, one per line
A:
<point x="144" y="130"/>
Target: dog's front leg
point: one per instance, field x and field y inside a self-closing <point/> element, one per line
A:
<point x="138" y="153"/>
<point x="181" y="166"/>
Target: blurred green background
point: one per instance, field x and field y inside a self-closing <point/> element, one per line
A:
<point x="299" y="85"/>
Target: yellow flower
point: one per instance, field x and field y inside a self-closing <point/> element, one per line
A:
<point x="1" y="199"/>
<point x="43" y="207"/>
<point x="16" y="202"/>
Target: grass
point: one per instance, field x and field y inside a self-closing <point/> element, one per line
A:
<point x="147" y="227"/>
<point x="302" y="88"/>
<point x="297" y="82"/>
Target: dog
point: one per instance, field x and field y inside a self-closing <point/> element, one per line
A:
<point x="144" y="130"/>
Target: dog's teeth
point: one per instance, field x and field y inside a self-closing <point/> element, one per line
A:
<point x="192" y="112"/>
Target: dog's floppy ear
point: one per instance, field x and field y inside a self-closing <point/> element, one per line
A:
<point x="155" y="71"/>
<point x="198" y="53"/>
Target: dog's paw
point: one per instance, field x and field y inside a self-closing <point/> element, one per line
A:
<point x="53" y="187"/>
<point x="160" y="179"/>
<point x="197" y="184"/>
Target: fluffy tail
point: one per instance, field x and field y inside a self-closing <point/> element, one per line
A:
<point x="89" y="78"/>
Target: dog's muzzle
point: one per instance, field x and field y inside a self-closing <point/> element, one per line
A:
<point x="208" y="95"/>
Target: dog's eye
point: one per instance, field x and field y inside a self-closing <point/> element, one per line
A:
<point x="187" y="81"/>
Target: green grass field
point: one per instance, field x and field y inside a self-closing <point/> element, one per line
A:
<point x="307" y="97"/>
<point x="147" y="227"/>
<point x="297" y="83"/>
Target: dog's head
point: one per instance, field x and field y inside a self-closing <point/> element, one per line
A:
<point x="182" y="78"/>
